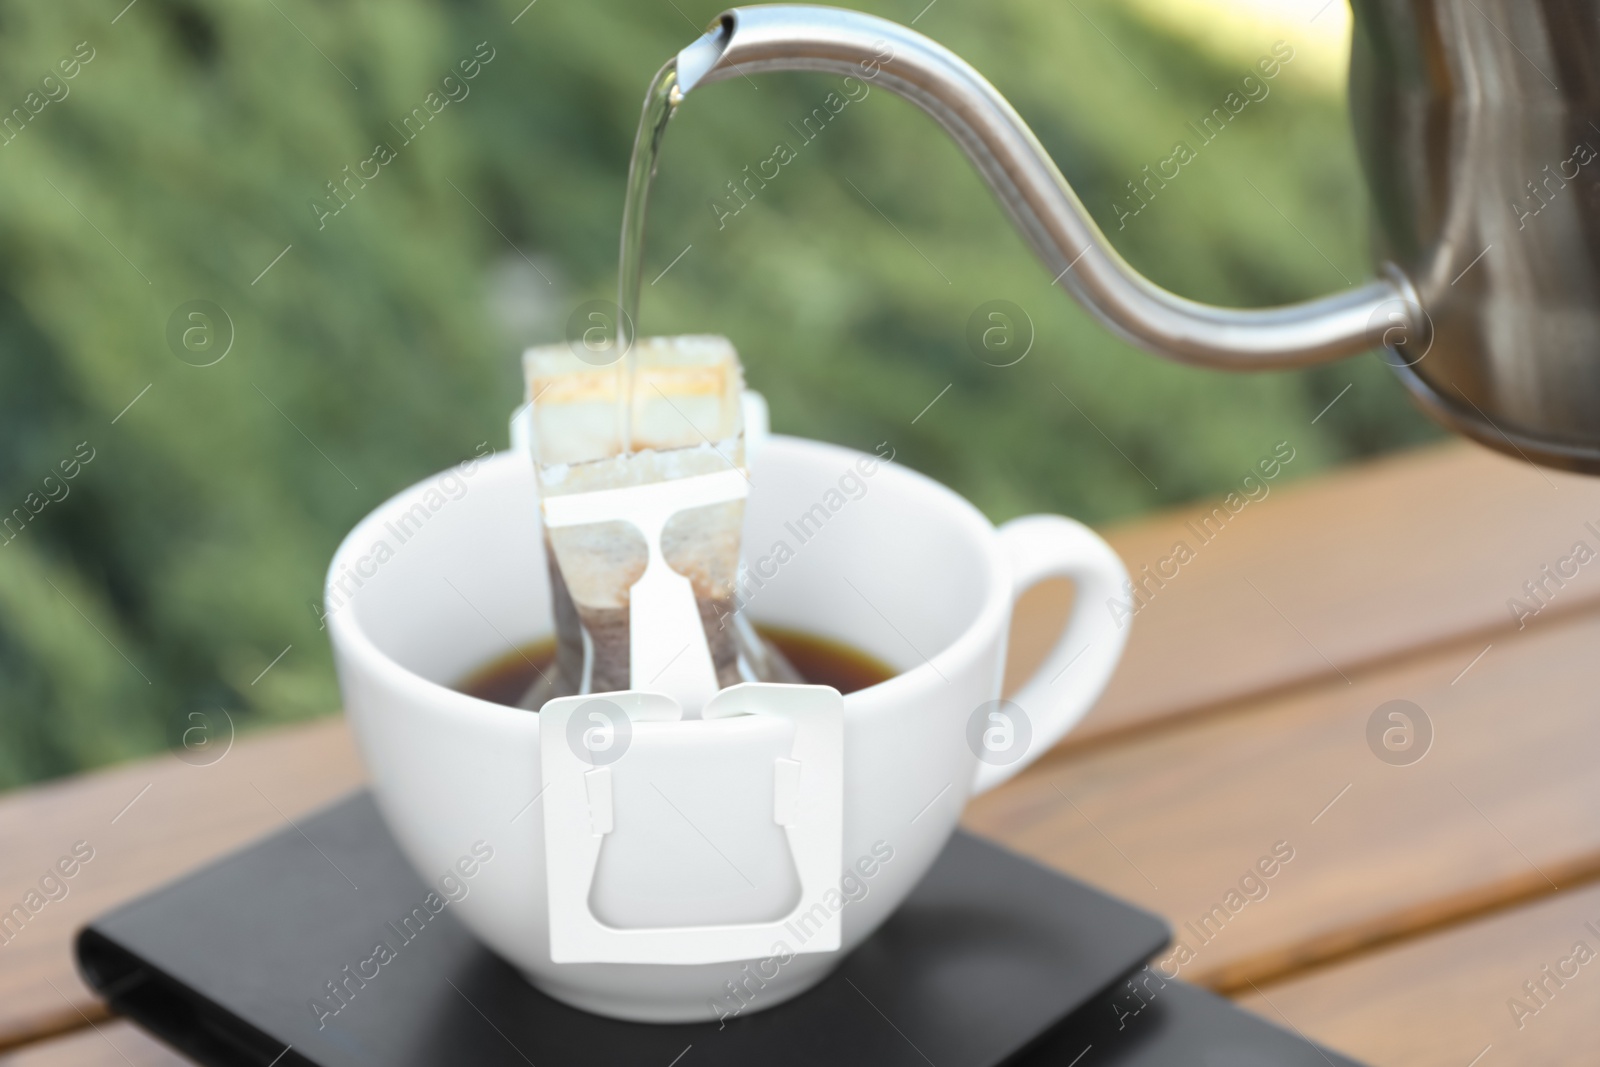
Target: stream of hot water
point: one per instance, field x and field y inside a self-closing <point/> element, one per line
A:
<point x="660" y="104"/>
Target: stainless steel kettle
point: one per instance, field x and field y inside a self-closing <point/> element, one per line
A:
<point x="1478" y="123"/>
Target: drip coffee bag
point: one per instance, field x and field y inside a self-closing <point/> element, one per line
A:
<point x="642" y="480"/>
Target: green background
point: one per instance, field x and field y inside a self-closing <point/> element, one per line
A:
<point x="382" y="347"/>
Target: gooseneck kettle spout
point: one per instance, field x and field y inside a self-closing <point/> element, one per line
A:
<point x="1049" y="215"/>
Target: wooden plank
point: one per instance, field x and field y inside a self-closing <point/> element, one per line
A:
<point x="1331" y="575"/>
<point x="1445" y="1000"/>
<point x="146" y="822"/>
<point x="1501" y="808"/>
<point x="114" y="1043"/>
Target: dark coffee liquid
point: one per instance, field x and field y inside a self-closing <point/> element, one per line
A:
<point x="823" y="661"/>
<point x="819" y="660"/>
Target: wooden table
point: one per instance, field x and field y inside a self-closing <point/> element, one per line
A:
<point x="1420" y="896"/>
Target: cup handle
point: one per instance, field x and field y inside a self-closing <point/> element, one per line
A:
<point x="1076" y="670"/>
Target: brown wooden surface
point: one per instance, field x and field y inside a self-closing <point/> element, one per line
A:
<point x="1441" y="1000"/>
<point x="106" y="1043"/>
<point x="186" y="816"/>
<point x="1171" y="818"/>
<point x="1328" y="575"/>
<point x="1413" y="904"/>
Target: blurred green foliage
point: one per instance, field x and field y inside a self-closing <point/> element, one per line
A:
<point x="381" y="346"/>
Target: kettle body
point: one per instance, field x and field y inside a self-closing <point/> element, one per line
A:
<point x="1478" y="125"/>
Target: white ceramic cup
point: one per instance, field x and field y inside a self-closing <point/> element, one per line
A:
<point x="450" y="574"/>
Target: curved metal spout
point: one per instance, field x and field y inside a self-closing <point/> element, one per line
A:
<point x="803" y="37"/>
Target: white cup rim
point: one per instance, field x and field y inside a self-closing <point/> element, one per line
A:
<point x="351" y="639"/>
